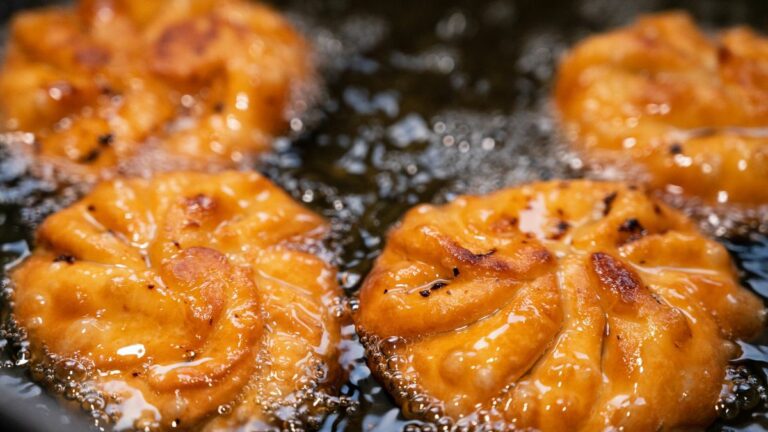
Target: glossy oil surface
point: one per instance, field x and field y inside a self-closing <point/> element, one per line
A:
<point x="425" y="100"/>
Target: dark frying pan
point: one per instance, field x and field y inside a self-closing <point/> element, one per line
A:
<point x="425" y="100"/>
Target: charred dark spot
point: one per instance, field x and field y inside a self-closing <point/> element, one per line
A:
<point x="438" y="285"/>
<point x="134" y="374"/>
<point x="615" y="276"/>
<point x="466" y="256"/>
<point x="106" y="140"/>
<point x="106" y="90"/>
<point x="425" y="293"/>
<point x="210" y="321"/>
<point x="151" y="286"/>
<point x="633" y="228"/>
<point x="675" y="149"/>
<point x="561" y="228"/>
<point x="488" y="261"/>
<point x="218" y="108"/>
<point x="91" y="208"/>
<point x="177" y="244"/>
<point x="656" y="298"/>
<point x="560" y="212"/>
<point x="386" y="291"/>
<point x="541" y="255"/>
<point x="608" y="202"/>
<point x="69" y="259"/>
<point x="456" y="272"/>
<point x="91" y="156"/>
<point x="656" y="209"/>
<point x="631" y="225"/>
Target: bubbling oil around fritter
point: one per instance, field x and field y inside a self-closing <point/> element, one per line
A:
<point x="188" y="299"/>
<point x="522" y="150"/>
<point x="555" y="306"/>
<point x="687" y="113"/>
<point x="110" y="85"/>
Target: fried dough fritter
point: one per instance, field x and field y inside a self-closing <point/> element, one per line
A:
<point x="686" y="112"/>
<point x="176" y="83"/>
<point x="186" y="295"/>
<point x="555" y="306"/>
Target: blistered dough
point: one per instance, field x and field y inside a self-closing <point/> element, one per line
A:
<point x="142" y="86"/>
<point x="686" y="112"/>
<point x="555" y="306"/>
<point x="188" y="299"/>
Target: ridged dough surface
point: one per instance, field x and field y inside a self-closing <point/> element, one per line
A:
<point x="555" y="306"/>
<point x="662" y="101"/>
<point x="186" y="296"/>
<point x="144" y="85"/>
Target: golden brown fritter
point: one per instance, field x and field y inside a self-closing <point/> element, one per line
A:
<point x="183" y="296"/>
<point x="686" y="112"/>
<point x="555" y="306"/>
<point x="176" y="82"/>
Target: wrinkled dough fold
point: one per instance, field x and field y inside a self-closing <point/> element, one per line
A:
<point x="193" y="84"/>
<point x="555" y="306"/>
<point x="661" y="101"/>
<point x="197" y="291"/>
